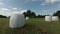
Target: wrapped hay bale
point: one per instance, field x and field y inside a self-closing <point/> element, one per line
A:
<point x="17" y="20"/>
<point x="27" y="18"/>
<point x="54" y="18"/>
<point x="48" y="18"/>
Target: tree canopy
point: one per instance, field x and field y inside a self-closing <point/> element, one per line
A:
<point x="57" y="13"/>
<point x="29" y="13"/>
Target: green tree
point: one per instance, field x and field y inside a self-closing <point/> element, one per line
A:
<point x="57" y="13"/>
<point x="25" y="14"/>
<point x="29" y="14"/>
<point x="33" y="14"/>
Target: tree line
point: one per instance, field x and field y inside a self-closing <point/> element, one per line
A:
<point x="57" y="13"/>
<point x="1" y="16"/>
<point x="31" y="14"/>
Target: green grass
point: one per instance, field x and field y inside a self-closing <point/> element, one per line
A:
<point x="32" y="26"/>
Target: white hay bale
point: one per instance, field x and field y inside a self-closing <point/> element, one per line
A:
<point x="16" y="20"/>
<point x="48" y="18"/>
<point x="27" y="18"/>
<point x="54" y="18"/>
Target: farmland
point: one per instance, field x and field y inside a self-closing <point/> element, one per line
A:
<point x="32" y="26"/>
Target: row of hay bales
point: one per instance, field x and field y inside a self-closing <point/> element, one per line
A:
<point x="51" y="18"/>
<point x="17" y="20"/>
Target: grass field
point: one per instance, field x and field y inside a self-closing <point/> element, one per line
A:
<point x="32" y="26"/>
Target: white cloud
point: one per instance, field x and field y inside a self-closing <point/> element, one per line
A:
<point x="23" y="11"/>
<point x="14" y="8"/>
<point x="2" y="12"/>
<point x="20" y="12"/>
<point x="49" y="1"/>
<point x="4" y="9"/>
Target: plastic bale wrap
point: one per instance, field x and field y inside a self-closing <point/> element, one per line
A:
<point x="54" y="18"/>
<point x="48" y="18"/>
<point x="27" y="18"/>
<point x="17" y="20"/>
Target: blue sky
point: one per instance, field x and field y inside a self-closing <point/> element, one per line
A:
<point x="38" y="6"/>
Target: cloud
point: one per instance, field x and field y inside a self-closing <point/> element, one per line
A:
<point x="14" y="8"/>
<point x="2" y="12"/>
<point x="49" y="1"/>
<point x="4" y="9"/>
<point x="8" y="12"/>
<point x="20" y="12"/>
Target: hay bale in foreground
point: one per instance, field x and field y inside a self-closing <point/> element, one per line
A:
<point x="17" y="20"/>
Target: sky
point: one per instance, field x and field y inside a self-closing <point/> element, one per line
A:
<point x="42" y="7"/>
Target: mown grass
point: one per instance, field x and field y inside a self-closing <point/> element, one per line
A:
<point x="32" y="26"/>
